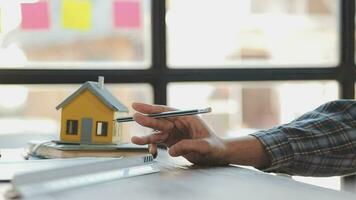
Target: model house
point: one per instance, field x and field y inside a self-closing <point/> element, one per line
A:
<point x="88" y="115"/>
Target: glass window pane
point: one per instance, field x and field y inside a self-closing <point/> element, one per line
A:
<point x="230" y="33"/>
<point x="30" y="110"/>
<point x="85" y="34"/>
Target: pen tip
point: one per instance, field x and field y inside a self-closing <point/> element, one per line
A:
<point x="209" y="109"/>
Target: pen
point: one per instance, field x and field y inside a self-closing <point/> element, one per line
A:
<point x="169" y="114"/>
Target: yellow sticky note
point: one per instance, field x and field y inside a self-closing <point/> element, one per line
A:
<point x="77" y="14"/>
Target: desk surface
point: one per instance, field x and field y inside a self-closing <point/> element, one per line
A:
<point x="177" y="180"/>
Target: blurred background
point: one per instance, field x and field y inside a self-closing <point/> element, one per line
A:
<point x="86" y="35"/>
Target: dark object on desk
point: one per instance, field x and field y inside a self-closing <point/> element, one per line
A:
<point x="169" y="114"/>
<point x="52" y="149"/>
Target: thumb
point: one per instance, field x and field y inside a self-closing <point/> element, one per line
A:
<point x="186" y="146"/>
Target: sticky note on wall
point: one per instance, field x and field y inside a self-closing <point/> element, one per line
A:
<point x="127" y="14"/>
<point x="77" y="14"/>
<point x="35" y="15"/>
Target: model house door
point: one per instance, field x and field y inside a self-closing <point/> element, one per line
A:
<point x="87" y="124"/>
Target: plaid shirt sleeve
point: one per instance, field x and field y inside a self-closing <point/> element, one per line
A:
<point x="319" y="143"/>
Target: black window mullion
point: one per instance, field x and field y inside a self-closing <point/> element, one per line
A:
<point x="159" y="56"/>
<point x="347" y="49"/>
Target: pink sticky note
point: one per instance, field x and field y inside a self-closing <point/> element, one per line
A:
<point x="35" y="15"/>
<point x="127" y="14"/>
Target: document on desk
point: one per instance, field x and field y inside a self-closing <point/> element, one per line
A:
<point x="69" y="177"/>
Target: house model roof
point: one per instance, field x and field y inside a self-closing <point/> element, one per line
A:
<point x="101" y="92"/>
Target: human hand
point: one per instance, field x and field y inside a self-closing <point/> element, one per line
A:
<point x="187" y="136"/>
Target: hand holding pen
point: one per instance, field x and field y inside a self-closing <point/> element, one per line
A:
<point x="190" y="137"/>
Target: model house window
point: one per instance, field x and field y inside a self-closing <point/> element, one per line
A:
<point x="72" y="127"/>
<point x="102" y="128"/>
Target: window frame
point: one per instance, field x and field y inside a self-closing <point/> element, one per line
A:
<point x="159" y="75"/>
<point x="75" y="124"/>
<point x="103" y="123"/>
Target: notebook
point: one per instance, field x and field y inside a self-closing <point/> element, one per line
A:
<point x="53" y="149"/>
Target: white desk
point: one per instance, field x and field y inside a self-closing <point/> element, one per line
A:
<point x="176" y="181"/>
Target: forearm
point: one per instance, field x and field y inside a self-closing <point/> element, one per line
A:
<point x="246" y="150"/>
<point x="319" y="143"/>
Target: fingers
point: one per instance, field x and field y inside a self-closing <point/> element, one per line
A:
<point x="188" y="146"/>
<point x="153" y="150"/>
<point x="150" y="139"/>
<point x="149" y="109"/>
<point x="156" y="124"/>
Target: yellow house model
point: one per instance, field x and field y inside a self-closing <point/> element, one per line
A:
<point x="88" y="115"/>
